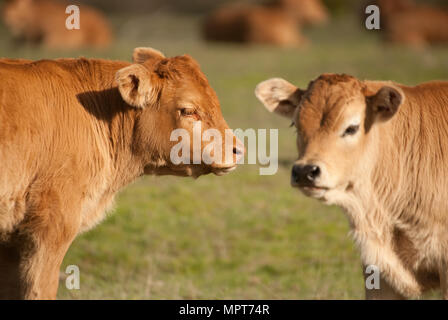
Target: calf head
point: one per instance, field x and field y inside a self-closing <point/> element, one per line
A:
<point x="335" y="119"/>
<point x="180" y="128"/>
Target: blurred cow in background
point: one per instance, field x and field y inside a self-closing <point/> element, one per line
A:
<point x="276" y="23"/>
<point x="306" y="12"/>
<point x="44" y="22"/>
<point x="247" y="24"/>
<point x="417" y="25"/>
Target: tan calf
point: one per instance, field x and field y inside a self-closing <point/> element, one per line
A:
<point x="379" y="150"/>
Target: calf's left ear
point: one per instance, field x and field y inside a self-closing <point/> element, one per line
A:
<point x="385" y="103"/>
<point x="135" y="85"/>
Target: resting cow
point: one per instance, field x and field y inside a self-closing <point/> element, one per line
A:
<point x="44" y="22"/>
<point x="379" y="150"/>
<point x="75" y="131"/>
<point x="253" y="24"/>
<point x="408" y="23"/>
<point x="305" y="12"/>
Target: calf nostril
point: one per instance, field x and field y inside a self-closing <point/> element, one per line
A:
<point x="237" y="151"/>
<point x="305" y="174"/>
<point x="313" y="173"/>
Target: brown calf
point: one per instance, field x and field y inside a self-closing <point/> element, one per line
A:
<point x="73" y="133"/>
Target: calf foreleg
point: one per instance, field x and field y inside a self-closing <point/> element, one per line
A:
<point x="380" y="253"/>
<point x="47" y="231"/>
<point x="383" y="292"/>
<point x="443" y="274"/>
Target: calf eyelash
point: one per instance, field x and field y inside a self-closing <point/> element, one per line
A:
<point x="187" y="112"/>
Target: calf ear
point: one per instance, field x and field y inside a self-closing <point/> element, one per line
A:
<point x="134" y="84"/>
<point x="279" y="96"/>
<point x="142" y="54"/>
<point x="385" y="103"/>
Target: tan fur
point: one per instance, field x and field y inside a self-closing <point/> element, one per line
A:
<point x="43" y="22"/>
<point x="69" y="142"/>
<point x="390" y="177"/>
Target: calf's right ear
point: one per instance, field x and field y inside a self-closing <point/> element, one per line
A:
<point x="279" y="96"/>
<point x="143" y="54"/>
<point x="135" y="86"/>
<point x="385" y="103"/>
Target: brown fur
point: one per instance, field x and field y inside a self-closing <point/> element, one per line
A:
<point x="69" y="142"/>
<point x="43" y="22"/>
<point x="390" y="176"/>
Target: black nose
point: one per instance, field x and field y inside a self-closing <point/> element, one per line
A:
<point x="305" y="174"/>
<point x="237" y="151"/>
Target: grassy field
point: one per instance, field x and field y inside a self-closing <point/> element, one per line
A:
<point x="241" y="236"/>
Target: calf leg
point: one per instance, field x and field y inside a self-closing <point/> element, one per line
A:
<point x="40" y="271"/>
<point x="50" y="227"/>
<point x="380" y="253"/>
<point x="41" y="261"/>
<point x="443" y="274"/>
<point x="30" y="260"/>
<point x="9" y="270"/>
<point x="29" y="265"/>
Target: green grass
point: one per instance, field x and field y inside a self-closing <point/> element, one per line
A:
<point x="241" y="236"/>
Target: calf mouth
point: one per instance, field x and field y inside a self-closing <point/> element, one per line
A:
<point x="220" y="171"/>
<point x="312" y="191"/>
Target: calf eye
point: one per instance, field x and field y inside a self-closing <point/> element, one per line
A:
<point x="186" y="112"/>
<point x="351" y="130"/>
